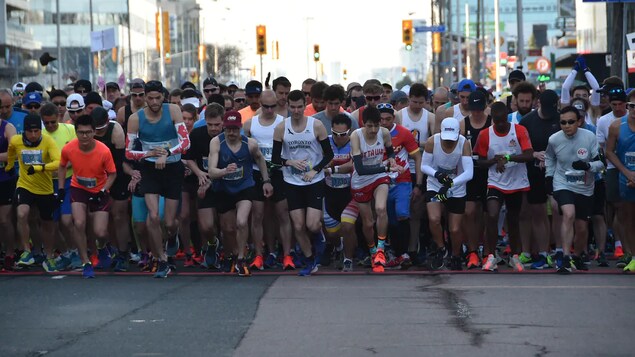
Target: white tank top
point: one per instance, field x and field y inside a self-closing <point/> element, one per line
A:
<point x="419" y="130"/>
<point x="302" y="145"/>
<point x="449" y="164"/>
<point x="457" y="113"/>
<point x="264" y="136"/>
<point x="372" y="156"/>
<point x="515" y="176"/>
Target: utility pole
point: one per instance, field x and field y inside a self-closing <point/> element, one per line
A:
<point x="497" y="41"/>
<point x="459" y="52"/>
<point x="617" y="40"/>
<point x="520" y="42"/>
<point x="129" y="41"/>
<point x="479" y="10"/>
<point x="59" y="46"/>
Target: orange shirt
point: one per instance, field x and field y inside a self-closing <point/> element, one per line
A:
<point x="246" y="113"/>
<point x="90" y="169"/>
<point x="309" y="110"/>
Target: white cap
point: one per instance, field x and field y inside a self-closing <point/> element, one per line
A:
<point x="194" y="101"/>
<point x="406" y="89"/>
<point x="106" y="104"/>
<point x="20" y="86"/>
<point x="232" y="83"/>
<point x="450" y="129"/>
<point x="74" y="102"/>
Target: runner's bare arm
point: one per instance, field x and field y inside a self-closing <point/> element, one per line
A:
<point x="9" y="131"/>
<point x="259" y="159"/>
<point x="213" y="170"/>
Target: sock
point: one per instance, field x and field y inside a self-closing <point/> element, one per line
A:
<point x="381" y="241"/>
<point x="618" y="243"/>
<point x="372" y="249"/>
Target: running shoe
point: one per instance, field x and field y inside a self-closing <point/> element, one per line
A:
<point x="49" y="265"/>
<point x="365" y="262"/>
<point x="242" y="269"/>
<point x="105" y="260"/>
<point x="189" y="261"/>
<point x="577" y="263"/>
<point x="437" y="261"/>
<point x="87" y="271"/>
<point x="559" y="260"/>
<point x="379" y="258"/>
<point x="540" y="263"/>
<point x="172" y="246"/>
<point x="8" y="263"/>
<point x="507" y="251"/>
<point x="63" y="263"/>
<point x="121" y="263"/>
<point x="287" y="263"/>
<point x="515" y="263"/>
<point x="172" y="263"/>
<point x="421" y="257"/>
<point x="565" y="266"/>
<point x="211" y="257"/>
<point x="472" y="261"/>
<point x="180" y="255"/>
<point x="551" y="261"/>
<point x="228" y="265"/>
<point x="348" y="266"/>
<point x="26" y="259"/>
<point x="163" y="270"/>
<point x="94" y="260"/>
<point x="143" y="262"/>
<point x="630" y="267"/>
<point x="309" y="269"/>
<point x="257" y="263"/>
<point x="198" y="258"/>
<point x="76" y="261"/>
<point x="489" y="263"/>
<point x="272" y="261"/>
<point x="586" y="259"/>
<point x="602" y="261"/>
<point x="298" y="258"/>
<point x="39" y="258"/>
<point x="619" y="252"/>
<point x="377" y="268"/>
<point x="455" y="263"/>
<point x="394" y="263"/>
<point x="623" y="261"/>
<point x="134" y="257"/>
<point x="525" y="260"/>
<point x="406" y="263"/>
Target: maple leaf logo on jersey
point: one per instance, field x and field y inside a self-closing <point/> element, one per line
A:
<point x="582" y="153"/>
<point x="513" y="143"/>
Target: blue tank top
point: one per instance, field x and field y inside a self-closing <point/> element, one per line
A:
<point x="159" y="134"/>
<point x="625" y="149"/>
<point x="4" y="146"/>
<point x="243" y="177"/>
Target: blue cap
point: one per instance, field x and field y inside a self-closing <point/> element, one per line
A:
<point x="33" y="97"/>
<point x="466" y="85"/>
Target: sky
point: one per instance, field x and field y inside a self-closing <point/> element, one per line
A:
<point x="358" y="36"/>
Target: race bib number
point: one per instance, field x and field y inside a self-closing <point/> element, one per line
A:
<point x="576" y="177"/>
<point x="236" y="175"/>
<point x="340" y="181"/>
<point x="372" y="162"/>
<point x="266" y="151"/>
<point x="88" y="182"/>
<point x="629" y="160"/>
<point x="32" y="157"/>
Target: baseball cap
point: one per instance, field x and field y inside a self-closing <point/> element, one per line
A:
<point x="191" y="100"/>
<point x="452" y="94"/>
<point x="154" y="86"/>
<point x="253" y="87"/>
<point x="466" y="85"/>
<point x="232" y="119"/>
<point x="516" y="75"/>
<point x="93" y="98"/>
<point x="616" y="93"/>
<point x="352" y="85"/>
<point x="210" y="81"/>
<point x="19" y="87"/>
<point x="477" y="101"/>
<point x="232" y="84"/>
<point x="188" y="84"/>
<point x="33" y="97"/>
<point x="83" y="83"/>
<point x="100" y="117"/>
<point x="549" y="103"/>
<point x="32" y="121"/>
<point x="137" y="83"/>
<point x="398" y="95"/>
<point x="450" y="129"/>
<point x="34" y="87"/>
<point x="75" y="102"/>
<point x="112" y="85"/>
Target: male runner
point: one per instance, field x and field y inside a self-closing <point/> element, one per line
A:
<point x="7" y="190"/>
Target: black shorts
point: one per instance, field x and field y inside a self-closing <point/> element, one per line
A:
<point x="277" y="181"/>
<point x="119" y="190"/>
<point x="477" y="187"/>
<point x="612" y="185"/>
<point x="7" y="191"/>
<point x="226" y="202"/>
<point x="513" y="201"/>
<point x="209" y="201"/>
<point x="537" y="185"/>
<point x="190" y="184"/>
<point x="335" y="200"/>
<point x="167" y="182"/>
<point x="599" y="198"/>
<point x="454" y="205"/>
<point x="83" y="196"/>
<point x="301" y="197"/>
<point x="583" y="204"/>
<point x="45" y="203"/>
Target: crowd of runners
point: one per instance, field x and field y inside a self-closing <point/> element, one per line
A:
<point x="241" y="179"/>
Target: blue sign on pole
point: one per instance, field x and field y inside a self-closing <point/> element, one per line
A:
<point x="437" y="28"/>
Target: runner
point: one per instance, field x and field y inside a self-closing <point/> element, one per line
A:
<point x="137" y="102"/>
<point x="458" y="111"/>
<point x="253" y="89"/>
<point x="231" y="156"/>
<point x="94" y="173"/>
<point x="306" y="152"/>
<point x="7" y="190"/>
<point x="524" y="95"/>
<point x="9" y="113"/>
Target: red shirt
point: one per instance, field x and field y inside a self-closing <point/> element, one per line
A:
<point x="90" y="169"/>
<point x="404" y="144"/>
<point x="482" y="143"/>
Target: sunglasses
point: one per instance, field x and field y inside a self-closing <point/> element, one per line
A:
<point x="372" y="98"/>
<point x="33" y="106"/>
<point x="53" y="122"/>
<point x="307" y="94"/>
<point x="239" y="100"/>
<point x="335" y="133"/>
<point x="18" y="94"/>
<point x="137" y="94"/>
<point x="384" y="106"/>
<point x="568" y="122"/>
<point x="265" y="106"/>
<point x="60" y="104"/>
<point x="74" y="112"/>
<point x="210" y="90"/>
<point x="82" y="91"/>
<point x="630" y="105"/>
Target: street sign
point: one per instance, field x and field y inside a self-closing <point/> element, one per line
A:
<point x="543" y="65"/>
<point x="630" y="40"/>
<point x="630" y="61"/>
<point x="437" y="28"/>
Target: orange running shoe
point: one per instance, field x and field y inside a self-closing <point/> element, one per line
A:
<point x="378" y="268"/>
<point x="287" y="263"/>
<point x="619" y="252"/>
<point x="94" y="260"/>
<point x="472" y="260"/>
<point x="258" y="263"/>
<point x="180" y="255"/>
<point x="379" y="258"/>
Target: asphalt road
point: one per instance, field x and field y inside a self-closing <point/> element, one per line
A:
<point x="328" y="315"/>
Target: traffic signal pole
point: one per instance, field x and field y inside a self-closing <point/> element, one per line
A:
<point x="261" y="70"/>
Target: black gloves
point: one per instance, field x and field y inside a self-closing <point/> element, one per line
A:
<point x="549" y="184"/>
<point x="580" y="165"/>
<point x="442" y="194"/>
<point x="443" y="178"/>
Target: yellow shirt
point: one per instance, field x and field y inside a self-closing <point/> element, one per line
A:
<point x="63" y="134"/>
<point x="46" y="152"/>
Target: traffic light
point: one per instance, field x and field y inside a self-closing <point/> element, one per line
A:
<point x="316" y="53"/>
<point x="345" y="74"/>
<point x="162" y="22"/>
<point x="168" y="58"/>
<point x="403" y="71"/>
<point x="436" y="42"/>
<point x="406" y="33"/>
<point x="261" y="39"/>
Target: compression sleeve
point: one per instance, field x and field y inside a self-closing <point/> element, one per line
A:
<point x="184" y="139"/>
<point x="468" y="171"/>
<point x="276" y="153"/>
<point x="565" y="96"/>
<point x="119" y="155"/>
<point x="595" y="96"/>
<point x="132" y="154"/>
<point x="363" y="170"/>
<point x="390" y="152"/>
<point x="426" y="164"/>
<point x="327" y="155"/>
